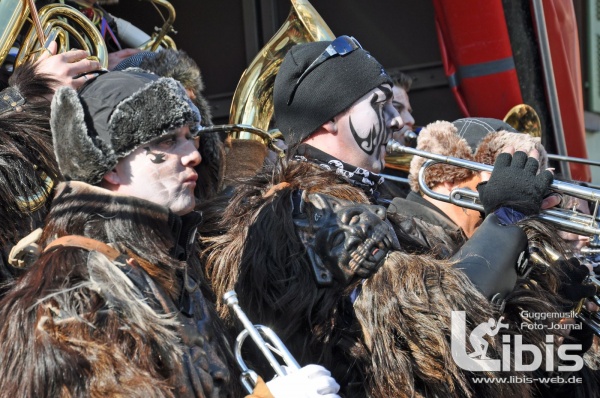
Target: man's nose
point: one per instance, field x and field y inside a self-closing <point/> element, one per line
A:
<point x="396" y="123"/>
<point x="191" y="157"/>
<point x="409" y="120"/>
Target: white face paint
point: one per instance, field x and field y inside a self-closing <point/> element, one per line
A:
<point x="365" y="128"/>
<point x="162" y="171"/>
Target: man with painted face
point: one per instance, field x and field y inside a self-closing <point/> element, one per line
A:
<point x="333" y="104"/>
<point x="115" y="304"/>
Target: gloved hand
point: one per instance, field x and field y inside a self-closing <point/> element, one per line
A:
<point x="571" y="288"/>
<point x="514" y="184"/>
<point x="312" y="381"/>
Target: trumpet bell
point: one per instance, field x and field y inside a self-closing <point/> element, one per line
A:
<point x="256" y="333"/>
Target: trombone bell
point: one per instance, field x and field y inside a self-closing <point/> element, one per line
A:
<point x="525" y="119"/>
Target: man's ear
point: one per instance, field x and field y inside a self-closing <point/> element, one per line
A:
<point x="330" y="126"/>
<point x="111" y="178"/>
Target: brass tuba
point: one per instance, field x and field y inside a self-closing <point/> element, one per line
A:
<point x="57" y="22"/>
<point x="252" y="102"/>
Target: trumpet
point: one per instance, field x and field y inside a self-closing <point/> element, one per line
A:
<point x="256" y="332"/>
<point x="567" y="220"/>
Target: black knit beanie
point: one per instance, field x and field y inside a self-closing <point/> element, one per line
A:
<point x="328" y="90"/>
<point x="111" y="116"/>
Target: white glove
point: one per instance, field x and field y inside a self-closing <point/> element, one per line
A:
<point x="311" y="381"/>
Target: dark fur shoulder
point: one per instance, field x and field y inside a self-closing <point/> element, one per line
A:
<point x="71" y="329"/>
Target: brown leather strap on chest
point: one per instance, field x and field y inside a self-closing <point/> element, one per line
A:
<point x="83" y="242"/>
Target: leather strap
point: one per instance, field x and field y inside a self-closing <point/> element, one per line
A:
<point x="83" y="242"/>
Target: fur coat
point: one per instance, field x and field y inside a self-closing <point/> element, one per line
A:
<point x="393" y="341"/>
<point x="81" y="324"/>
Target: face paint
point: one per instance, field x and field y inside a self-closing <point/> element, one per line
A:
<point x="155" y="157"/>
<point x="376" y="134"/>
<point x="162" y="171"/>
<point x="344" y="240"/>
<point x="364" y="129"/>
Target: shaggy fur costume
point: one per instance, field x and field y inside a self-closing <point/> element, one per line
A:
<point x="260" y="255"/>
<point x="78" y="324"/>
<point x="25" y="153"/>
<point x="443" y="138"/>
<point x="403" y="310"/>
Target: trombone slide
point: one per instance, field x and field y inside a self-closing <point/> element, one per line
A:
<point x="581" y="224"/>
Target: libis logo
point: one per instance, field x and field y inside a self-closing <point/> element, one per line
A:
<point x="477" y="361"/>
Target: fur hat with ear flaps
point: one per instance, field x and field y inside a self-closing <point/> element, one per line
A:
<point x="442" y="138"/>
<point x="113" y="115"/>
<point x="476" y="139"/>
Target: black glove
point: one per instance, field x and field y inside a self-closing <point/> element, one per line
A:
<point x="493" y="258"/>
<point x="571" y="288"/>
<point x="514" y="184"/>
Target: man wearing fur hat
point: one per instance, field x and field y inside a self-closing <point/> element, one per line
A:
<point x="116" y="304"/>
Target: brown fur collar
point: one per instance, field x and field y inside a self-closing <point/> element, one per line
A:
<point x="129" y="223"/>
<point x="76" y="325"/>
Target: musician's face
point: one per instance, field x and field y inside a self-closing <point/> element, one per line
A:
<point x="365" y="128"/>
<point x="402" y="105"/>
<point x="161" y="171"/>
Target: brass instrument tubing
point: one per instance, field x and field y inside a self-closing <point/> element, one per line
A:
<point x="36" y="21"/>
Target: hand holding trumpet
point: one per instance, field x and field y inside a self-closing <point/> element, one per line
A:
<point x="514" y="183"/>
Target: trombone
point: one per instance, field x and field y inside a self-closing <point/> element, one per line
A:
<point x="256" y="332"/>
<point x="582" y="224"/>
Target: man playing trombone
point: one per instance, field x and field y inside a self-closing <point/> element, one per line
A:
<point x="448" y="226"/>
<point x="333" y="104"/>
